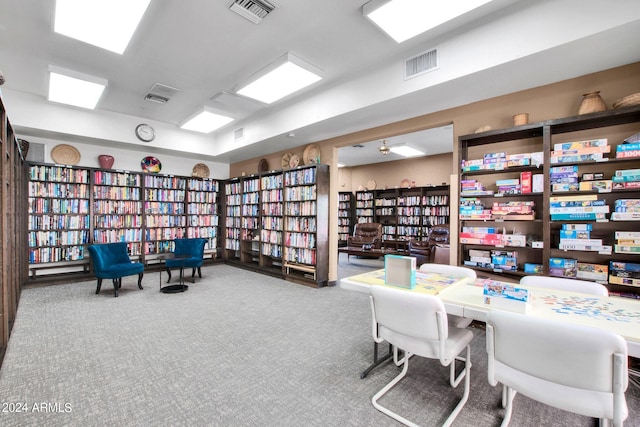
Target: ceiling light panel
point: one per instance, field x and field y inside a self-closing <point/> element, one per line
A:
<point x="206" y="121"/>
<point x="72" y="88"/>
<point x="108" y="24"/>
<point x="284" y="77"/>
<point x="406" y="151"/>
<point x="404" y="19"/>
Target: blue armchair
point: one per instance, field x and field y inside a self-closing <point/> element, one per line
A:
<point x="111" y="261"/>
<point x="192" y="247"/>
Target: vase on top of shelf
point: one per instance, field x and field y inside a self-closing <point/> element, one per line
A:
<point x="592" y="102"/>
<point x="106" y="161"/>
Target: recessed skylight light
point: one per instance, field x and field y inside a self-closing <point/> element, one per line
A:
<point x="206" y="122"/>
<point x="404" y="19"/>
<point x="108" y="24"/>
<point x="72" y="88"/>
<point x="285" y="76"/>
<point x="406" y="151"/>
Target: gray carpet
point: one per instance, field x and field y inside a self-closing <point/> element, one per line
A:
<point x="237" y="349"/>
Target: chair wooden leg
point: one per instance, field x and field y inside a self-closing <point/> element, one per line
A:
<point x="99" y="285"/>
<point x="168" y="274"/>
<point x="116" y="286"/>
<point x="140" y="280"/>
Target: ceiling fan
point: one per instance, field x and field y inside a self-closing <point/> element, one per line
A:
<point x="384" y="149"/>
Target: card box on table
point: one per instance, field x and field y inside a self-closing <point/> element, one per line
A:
<point x="400" y="271"/>
<point x="505" y="296"/>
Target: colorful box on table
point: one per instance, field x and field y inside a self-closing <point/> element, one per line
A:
<point x="505" y="296"/>
<point x="400" y="271"/>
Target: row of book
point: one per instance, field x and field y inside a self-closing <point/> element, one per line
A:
<point x="272" y="223"/>
<point x="116" y="193"/>
<point x="251" y="185"/>
<point x="300" y="240"/>
<point x="301" y="208"/>
<point x="156" y="234"/>
<point x="60" y="190"/>
<point x="55" y="254"/>
<point x="58" y="174"/>
<point x="300" y="177"/>
<point x="271" y="236"/>
<point x="269" y="249"/>
<point x="307" y="192"/>
<point x="231" y="222"/>
<point x="58" y="238"/>
<point x="58" y="222"/>
<point x="385" y="202"/>
<point x="233" y="199"/>
<point x="154" y="208"/>
<point x="166" y="182"/>
<point x="164" y="195"/>
<point x="203" y="184"/>
<point x="250" y="210"/>
<point x="124" y="207"/>
<point x="271" y="182"/>
<point x="385" y="211"/>
<point x="202" y="197"/>
<point x="272" y="196"/>
<point x="118" y="221"/>
<point x="160" y="247"/>
<point x="204" y="209"/>
<point x="249" y="222"/>
<point x="209" y="233"/>
<point x="306" y="224"/>
<point x="123" y="179"/>
<point x="163" y="221"/>
<point x="272" y="209"/>
<point x="300" y="255"/>
<point x="58" y="206"/>
<point x="121" y="235"/>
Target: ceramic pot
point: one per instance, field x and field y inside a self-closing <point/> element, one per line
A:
<point x="592" y="103"/>
<point x="106" y="161"/>
<point x="520" y="119"/>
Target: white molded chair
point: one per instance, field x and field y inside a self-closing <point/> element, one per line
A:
<point x="452" y="270"/>
<point x="417" y="324"/>
<point x="572" y="367"/>
<point x="572" y="285"/>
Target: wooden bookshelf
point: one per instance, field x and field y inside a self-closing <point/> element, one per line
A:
<point x="203" y="212"/>
<point x="346" y="216"/>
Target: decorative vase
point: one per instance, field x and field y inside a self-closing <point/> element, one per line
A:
<point x="106" y="161"/>
<point x="24" y="147"/>
<point x="592" y="103"/>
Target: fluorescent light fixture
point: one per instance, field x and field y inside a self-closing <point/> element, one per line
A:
<point x="404" y="19"/>
<point x="340" y="165"/>
<point x="108" y="24"/>
<point x="206" y="121"/>
<point x="406" y="151"/>
<point x="73" y="88"/>
<point x="281" y="78"/>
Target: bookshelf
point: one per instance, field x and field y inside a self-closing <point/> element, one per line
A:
<point x="565" y="224"/>
<point x="306" y="223"/>
<point x="59" y="215"/>
<point x="250" y="221"/>
<point x="232" y="218"/>
<point x="117" y="209"/>
<point x="346" y="210"/>
<point x="385" y="212"/>
<point x="203" y="212"/>
<point x="364" y="206"/>
<point x="164" y="213"/>
<point x="271" y="200"/>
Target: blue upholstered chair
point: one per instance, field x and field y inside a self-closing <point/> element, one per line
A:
<point x="111" y="261"/>
<point x="192" y="247"/>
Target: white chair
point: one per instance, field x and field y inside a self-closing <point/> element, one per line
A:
<point x="417" y="324"/>
<point x="452" y="270"/>
<point x="575" y="368"/>
<point x="572" y="285"/>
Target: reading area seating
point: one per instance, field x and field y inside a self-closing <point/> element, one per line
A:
<point x="111" y="261"/>
<point x="366" y="234"/>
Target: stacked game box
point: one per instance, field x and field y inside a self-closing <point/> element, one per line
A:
<point x="628" y="150"/>
<point x="627" y="178"/>
<point x="624" y="273"/>
<point x="580" y="207"/>
<point x="518" y="210"/>
<point x="564" y="178"/>
<point x="471" y="187"/>
<point x="504" y="260"/>
<point x="595" y="272"/>
<point x="627" y="242"/>
<point x="563" y="267"/>
<point x="580" y="151"/>
<point x="497" y="161"/>
<point x="626" y="210"/>
<point x="472" y="208"/>
<point x="577" y="237"/>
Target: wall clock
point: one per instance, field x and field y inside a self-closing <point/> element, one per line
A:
<point x="145" y="132"/>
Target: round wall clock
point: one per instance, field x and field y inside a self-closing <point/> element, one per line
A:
<point x="145" y="132"/>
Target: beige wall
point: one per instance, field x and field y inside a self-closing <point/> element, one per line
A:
<point x="552" y="101"/>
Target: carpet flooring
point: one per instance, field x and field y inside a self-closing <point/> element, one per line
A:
<point x="237" y="349"/>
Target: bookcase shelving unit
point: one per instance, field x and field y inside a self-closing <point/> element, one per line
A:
<point x="346" y="217"/>
<point x="117" y="209"/>
<point x="250" y="221"/>
<point x="364" y="206"/>
<point x="232" y="218"/>
<point x="385" y="212"/>
<point x="203" y="212"/>
<point x="543" y="231"/>
<point x="271" y="232"/>
<point x="164" y="213"/>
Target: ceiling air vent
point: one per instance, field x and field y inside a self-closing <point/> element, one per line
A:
<point x="253" y="10"/>
<point x="238" y="134"/>
<point x="160" y="93"/>
<point x="420" y="64"/>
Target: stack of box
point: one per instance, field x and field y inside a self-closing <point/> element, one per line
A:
<point x="479" y="258"/>
<point x="523" y="159"/>
<point x="508" y="186"/>
<point x="595" y="272"/>
<point x="626" y="210"/>
<point x="629" y="178"/>
<point x="580" y="151"/>
<point x="582" y="207"/>
<point x="472" y="208"/>
<point x="564" y="178"/>
<point x="563" y="267"/>
<point x="471" y="187"/>
<point x="501" y="160"/>
<point x="514" y="210"/>
<point x="624" y="273"/>
<point x="481" y="236"/>
<point x="627" y="242"/>
<point x="577" y="237"/>
<point x="628" y="150"/>
<point x="504" y="260"/>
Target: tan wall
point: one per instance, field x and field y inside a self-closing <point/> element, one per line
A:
<point x="552" y="101"/>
